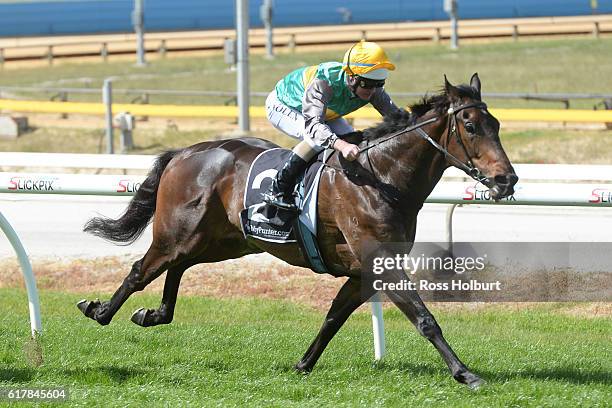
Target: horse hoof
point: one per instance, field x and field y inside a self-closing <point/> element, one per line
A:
<point x="473" y="381"/>
<point x="302" y="369"/>
<point x="139" y="316"/>
<point x="88" y="307"/>
<point x="476" y="384"/>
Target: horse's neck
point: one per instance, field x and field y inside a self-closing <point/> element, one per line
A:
<point x="411" y="164"/>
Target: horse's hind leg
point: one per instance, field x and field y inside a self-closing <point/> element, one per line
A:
<point x="143" y="272"/>
<point x="181" y="234"/>
<point x="164" y="315"/>
<point x="188" y="210"/>
<point x="349" y="298"/>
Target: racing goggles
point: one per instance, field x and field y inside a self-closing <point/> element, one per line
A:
<point x="368" y="83"/>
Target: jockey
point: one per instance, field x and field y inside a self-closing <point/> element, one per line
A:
<point x="310" y="102"/>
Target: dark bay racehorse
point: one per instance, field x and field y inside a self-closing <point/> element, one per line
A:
<point x="196" y="195"/>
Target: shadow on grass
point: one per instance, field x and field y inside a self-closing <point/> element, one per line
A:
<point x="571" y="375"/>
<point x="286" y="368"/>
<point x="117" y="375"/>
<point x="380" y="366"/>
<point x="408" y="367"/>
<point x="567" y="374"/>
<point x="16" y="375"/>
<point x="218" y="366"/>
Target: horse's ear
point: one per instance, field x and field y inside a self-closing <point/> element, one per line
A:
<point x="475" y="83"/>
<point x="450" y="90"/>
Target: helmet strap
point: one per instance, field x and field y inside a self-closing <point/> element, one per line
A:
<point x="353" y="79"/>
<point x="353" y="83"/>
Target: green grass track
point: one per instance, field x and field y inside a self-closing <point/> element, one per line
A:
<point x="241" y="353"/>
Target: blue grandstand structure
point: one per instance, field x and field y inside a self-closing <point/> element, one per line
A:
<point x="50" y="17"/>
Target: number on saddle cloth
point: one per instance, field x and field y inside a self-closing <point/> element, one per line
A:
<point x="270" y="223"/>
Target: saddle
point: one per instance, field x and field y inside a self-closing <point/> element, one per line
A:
<point x="264" y="222"/>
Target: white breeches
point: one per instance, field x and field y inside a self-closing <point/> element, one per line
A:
<point x="291" y="121"/>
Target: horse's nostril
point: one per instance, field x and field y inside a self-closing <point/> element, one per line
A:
<point x="506" y="179"/>
<point x="501" y="179"/>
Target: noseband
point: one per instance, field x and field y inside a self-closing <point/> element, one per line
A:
<point x="469" y="168"/>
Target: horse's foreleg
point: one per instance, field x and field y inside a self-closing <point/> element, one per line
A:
<point x="165" y="313"/>
<point x="349" y="298"/>
<point x="410" y="303"/>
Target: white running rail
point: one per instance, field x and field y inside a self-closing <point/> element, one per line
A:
<point x="574" y="185"/>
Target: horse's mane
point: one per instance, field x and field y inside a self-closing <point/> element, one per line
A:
<point x="439" y="103"/>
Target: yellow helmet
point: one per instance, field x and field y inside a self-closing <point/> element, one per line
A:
<point x="367" y="59"/>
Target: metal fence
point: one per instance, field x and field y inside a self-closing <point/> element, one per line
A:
<point x="290" y="38"/>
<point x="144" y="96"/>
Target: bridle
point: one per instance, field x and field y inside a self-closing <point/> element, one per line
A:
<point x="391" y="193"/>
<point x="469" y="168"/>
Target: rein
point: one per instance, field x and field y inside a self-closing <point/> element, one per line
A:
<point x="468" y="168"/>
<point x="398" y="133"/>
<point x="391" y="193"/>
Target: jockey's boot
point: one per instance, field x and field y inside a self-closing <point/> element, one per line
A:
<point x="280" y="193"/>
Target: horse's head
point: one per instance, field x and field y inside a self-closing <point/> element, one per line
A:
<point x="473" y="138"/>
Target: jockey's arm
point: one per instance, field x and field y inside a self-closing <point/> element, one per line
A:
<point x="314" y="106"/>
<point x="381" y="101"/>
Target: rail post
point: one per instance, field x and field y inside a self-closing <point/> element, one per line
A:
<point x="266" y="13"/>
<point x="378" y="326"/>
<point x="104" y="52"/>
<point x="138" y="22"/>
<point x="515" y="32"/>
<point x="163" y="49"/>
<point x="28" y="276"/>
<point x="291" y="44"/>
<point x="49" y="55"/>
<point x="107" y="99"/>
<point x="596" y="29"/>
<point x="436" y="36"/>
<point x="450" y="6"/>
<point x="63" y="97"/>
<point x="242" y="80"/>
<point x="144" y="99"/>
<point x="449" y="227"/>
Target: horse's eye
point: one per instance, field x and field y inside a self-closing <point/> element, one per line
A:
<point x="469" y="126"/>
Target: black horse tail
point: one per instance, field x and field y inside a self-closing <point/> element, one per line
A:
<point x="127" y="228"/>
